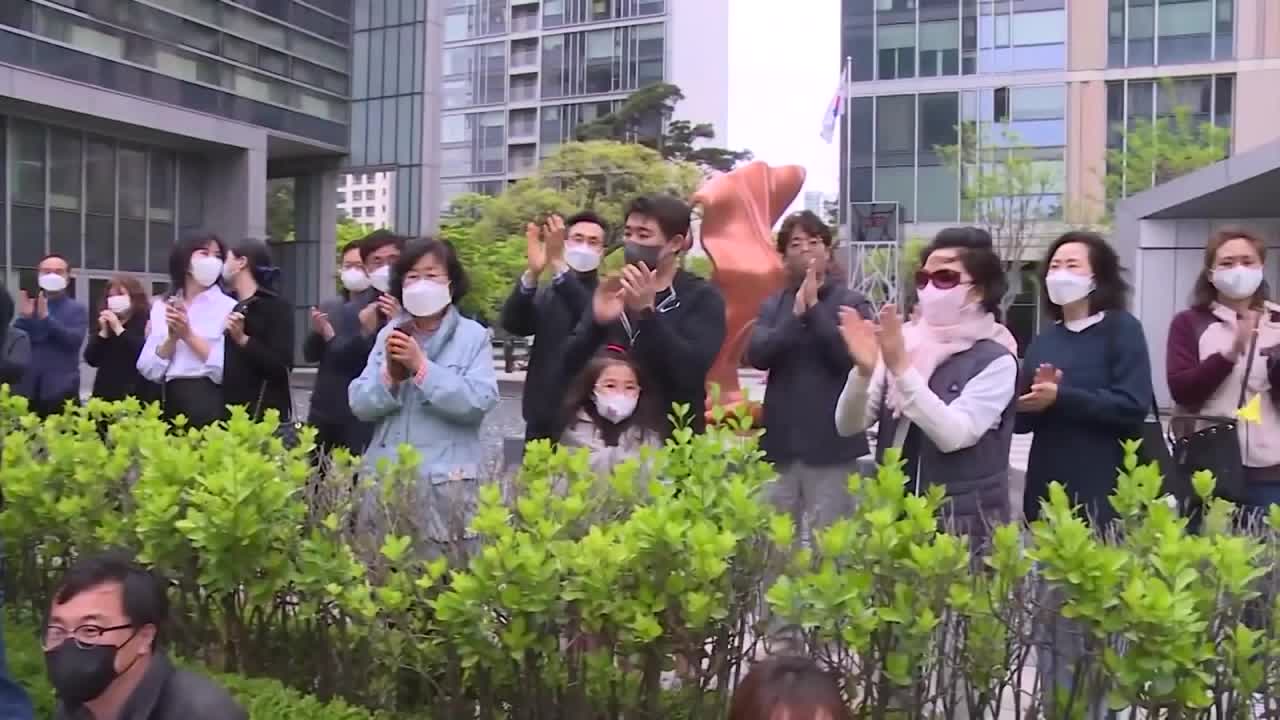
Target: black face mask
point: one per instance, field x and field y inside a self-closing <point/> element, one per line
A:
<point x="80" y="674"/>
<point x="635" y="254"/>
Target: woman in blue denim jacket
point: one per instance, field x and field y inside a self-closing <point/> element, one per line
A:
<point x="428" y="383"/>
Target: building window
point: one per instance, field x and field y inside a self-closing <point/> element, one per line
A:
<point x="897" y="49"/>
<point x="558" y="13"/>
<point x="475" y="75"/>
<point x="600" y="61"/>
<point x="939" y="48"/>
<point x="475" y="143"/>
<point x="465" y="19"/>
<point x="1149" y="32"/>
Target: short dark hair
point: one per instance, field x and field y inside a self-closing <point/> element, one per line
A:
<point x="180" y="257"/>
<point x="1204" y="293"/>
<point x="144" y="597"/>
<point x="1110" y="292"/>
<point x="979" y="259"/>
<point x="55" y="256"/>
<point x="670" y="212"/>
<point x="378" y="239"/>
<point x="587" y="216"/>
<point x="443" y="251"/>
<point x="257" y="255"/>
<point x="795" y="684"/>
<point x="807" y="222"/>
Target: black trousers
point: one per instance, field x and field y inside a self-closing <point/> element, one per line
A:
<point x="53" y="406"/>
<point x="198" y="399"/>
<point x="352" y="435"/>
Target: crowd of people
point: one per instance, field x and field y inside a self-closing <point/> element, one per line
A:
<point x="398" y="363"/>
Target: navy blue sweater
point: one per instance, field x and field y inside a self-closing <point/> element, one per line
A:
<point x="1103" y="398"/>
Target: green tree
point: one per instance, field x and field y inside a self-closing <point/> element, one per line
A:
<point x="491" y="266"/>
<point x="349" y="231"/>
<point x="644" y="118"/>
<point x="1002" y="189"/>
<point x="1158" y="151"/>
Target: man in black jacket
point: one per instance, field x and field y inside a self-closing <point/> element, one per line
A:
<point x="103" y="654"/>
<point x="550" y="313"/>
<point x="797" y="340"/>
<point x="335" y="323"/>
<point x="671" y="322"/>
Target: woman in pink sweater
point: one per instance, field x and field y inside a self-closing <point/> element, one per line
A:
<point x="1210" y="344"/>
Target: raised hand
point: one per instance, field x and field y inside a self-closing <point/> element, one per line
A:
<point x="553" y="231"/>
<point x="235" y="328"/>
<point x="1246" y="326"/>
<point x="860" y="338"/>
<point x="1043" y="391"/>
<point x="640" y="286"/>
<point x="320" y="324"/>
<point x="609" y="302"/>
<point x="28" y="305"/>
<point x="176" y="317"/>
<point x="893" y="346"/>
<point x="406" y="352"/>
<point x="535" y="250"/>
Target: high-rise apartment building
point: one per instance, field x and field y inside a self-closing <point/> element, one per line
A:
<point x="519" y="76"/>
<point x="1063" y="77"/>
<point x="124" y="123"/>
<point x="368" y="198"/>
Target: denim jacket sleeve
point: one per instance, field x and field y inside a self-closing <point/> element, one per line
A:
<point x="369" y="395"/>
<point x="464" y="391"/>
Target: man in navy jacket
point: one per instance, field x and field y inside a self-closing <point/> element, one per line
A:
<point x="57" y="325"/>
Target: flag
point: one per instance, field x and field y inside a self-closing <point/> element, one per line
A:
<point x="836" y="108"/>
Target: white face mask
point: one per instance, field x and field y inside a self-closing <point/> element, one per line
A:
<point x="1237" y="283"/>
<point x="615" y="407"/>
<point x="355" y="280"/>
<point x="581" y="258"/>
<point x="943" y="307"/>
<point x="229" y="269"/>
<point x="1066" y="287"/>
<point x="118" y="303"/>
<point x="52" y="282"/>
<point x="381" y="278"/>
<point x="424" y="298"/>
<point x="206" y="269"/>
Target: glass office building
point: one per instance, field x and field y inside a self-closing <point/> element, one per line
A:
<point x="125" y="123"/>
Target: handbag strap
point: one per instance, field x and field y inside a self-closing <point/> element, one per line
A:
<point x="288" y="386"/>
<point x="1248" y="369"/>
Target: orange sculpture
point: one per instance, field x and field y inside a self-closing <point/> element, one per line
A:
<point x="739" y="210"/>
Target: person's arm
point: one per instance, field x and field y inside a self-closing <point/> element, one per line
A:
<point x="1027" y="422"/>
<point x="1126" y="399"/>
<point x="681" y="353"/>
<point x="313" y="347"/>
<point x="463" y="395"/>
<point x="570" y="290"/>
<point x="961" y="424"/>
<point x="371" y="396"/>
<point x="859" y="403"/>
<point x="68" y="331"/>
<point x="93" y="350"/>
<point x="272" y="352"/>
<point x="152" y="363"/>
<point x="1192" y="380"/>
<point x="582" y="344"/>
<point x="775" y="330"/>
<point x="16" y="358"/>
<point x="520" y="313"/>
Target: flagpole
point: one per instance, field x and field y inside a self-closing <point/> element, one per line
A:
<point x="846" y="208"/>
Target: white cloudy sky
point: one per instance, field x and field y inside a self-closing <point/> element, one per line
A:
<point x="784" y="67"/>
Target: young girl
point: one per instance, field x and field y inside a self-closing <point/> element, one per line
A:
<point x="609" y="412"/>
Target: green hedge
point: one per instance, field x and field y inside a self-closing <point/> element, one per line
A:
<point x="264" y="699"/>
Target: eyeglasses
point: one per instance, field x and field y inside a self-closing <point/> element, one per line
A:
<point x="943" y="279"/>
<point x="84" y="636"/>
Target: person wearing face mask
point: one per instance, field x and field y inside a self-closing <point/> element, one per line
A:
<point x="550" y="313"/>
<point x="185" y="350"/>
<point x="797" y="340"/>
<point x="671" y="322"/>
<point x="375" y="306"/>
<point x="1232" y="329"/>
<point x="259" y="329"/>
<point x="608" y="412"/>
<point x="1086" y="379"/>
<point x="115" y="347"/>
<point x="56" y="325"/>
<point x="334" y="324"/>
<point x="104" y="652"/>
<point x="942" y="389"/>
<point x="428" y="383"/>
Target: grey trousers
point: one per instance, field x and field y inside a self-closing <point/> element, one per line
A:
<point x="815" y="497"/>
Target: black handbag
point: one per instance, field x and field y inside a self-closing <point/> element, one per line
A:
<point x="290" y="429"/>
<point x="1212" y="442"/>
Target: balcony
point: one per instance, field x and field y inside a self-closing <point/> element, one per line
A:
<point x="524" y="22"/>
<point x="523" y="92"/>
<point x="523" y="61"/>
<point x="522" y="133"/>
<point x="521" y="163"/>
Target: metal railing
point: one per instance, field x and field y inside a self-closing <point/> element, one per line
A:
<point x="511" y="354"/>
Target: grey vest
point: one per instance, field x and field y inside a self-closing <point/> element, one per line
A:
<point x="976" y="479"/>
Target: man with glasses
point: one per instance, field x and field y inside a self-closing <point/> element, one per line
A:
<point x="103" y="653"/>
<point x="57" y="326"/>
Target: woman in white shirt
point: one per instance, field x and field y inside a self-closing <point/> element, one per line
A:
<point x="942" y="388"/>
<point x="185" y="337"/>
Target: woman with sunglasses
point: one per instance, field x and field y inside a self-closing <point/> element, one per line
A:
<point x="942" y="389"/>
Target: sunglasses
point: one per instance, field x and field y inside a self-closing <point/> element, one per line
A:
<point x="942" y="279"/>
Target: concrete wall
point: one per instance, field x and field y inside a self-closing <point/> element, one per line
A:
<point x="1168" y="258"/>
